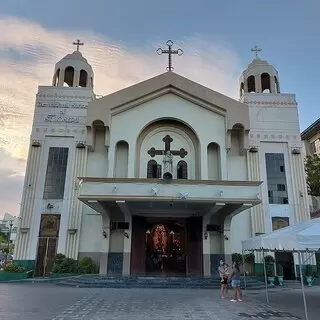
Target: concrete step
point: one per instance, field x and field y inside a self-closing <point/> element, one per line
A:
<point x="88" y="281"/>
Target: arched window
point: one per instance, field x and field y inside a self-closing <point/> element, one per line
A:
<point x="83" y="79"/>
<point x="182" y="170"/>
<point x="68" y="76"/>
<point x="265" y="83"/>
<point x="251" y="84"/>
<point x="153" y="169"/>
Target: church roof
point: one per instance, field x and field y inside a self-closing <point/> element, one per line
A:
<point x="165" y="83"/>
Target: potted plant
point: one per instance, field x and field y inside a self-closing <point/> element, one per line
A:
<point x="280" y="274"/>
<point x="269" y="261"/>
<point x="250" y="259"/>
<point x="309" y="274"/>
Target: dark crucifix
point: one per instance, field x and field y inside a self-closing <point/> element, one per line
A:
<point x="170" y="52"/>
<point x="167" y="145"/>
<point x="78" y="43"/>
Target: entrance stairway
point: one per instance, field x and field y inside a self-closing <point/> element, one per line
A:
<point x="95" y="281"/>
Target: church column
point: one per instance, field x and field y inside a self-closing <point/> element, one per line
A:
<point x="75" y="211"/>
<point x="76" y="78"/>
<point x="257" y="79"/>
<point x="105" y="244"/>
<point x="256" y="212"/>
<point x="300" y="196"/>
<point x="22" y="247"/>
<point x="272" y="85"/>
<point x="206" y="247"/>
<point x="61" y="78"/>
<point x="127" y="247"/>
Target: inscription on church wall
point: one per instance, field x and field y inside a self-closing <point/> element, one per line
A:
<point x="56" y="104"/>
<point x="61" y="118"/>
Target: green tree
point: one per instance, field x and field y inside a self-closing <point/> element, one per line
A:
<point x="313" y="174"/>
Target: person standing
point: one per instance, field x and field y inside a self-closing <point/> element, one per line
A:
<point x="223" y="279"/>
<point x="235" y="283"/>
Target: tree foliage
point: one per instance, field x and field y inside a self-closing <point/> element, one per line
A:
<point x="313" y="174"/>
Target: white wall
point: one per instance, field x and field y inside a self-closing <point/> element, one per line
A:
<point x="240" y="230"/>
<point x="91" y="231"/>
<point x="97" y="165"/>
<point x="207" y="124"/>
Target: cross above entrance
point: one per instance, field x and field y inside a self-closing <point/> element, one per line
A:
<point x="170" y="52"/>
<point x="167" y="145"/>
<point x="78" y="44"/>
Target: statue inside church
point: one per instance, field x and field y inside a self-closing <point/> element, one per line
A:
<point x="160" y="239"/>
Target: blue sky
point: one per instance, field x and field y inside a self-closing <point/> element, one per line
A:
<point x="121" y="37"/>
<point x="287" y="30"/>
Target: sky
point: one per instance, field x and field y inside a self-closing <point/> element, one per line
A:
<point x="121" y="37"/>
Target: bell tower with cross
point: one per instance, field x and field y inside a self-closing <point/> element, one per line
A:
<point x="260" y="76"/>
<point x="73" y="70"/>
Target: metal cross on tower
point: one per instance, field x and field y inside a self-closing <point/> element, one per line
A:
<point x="256" y="49"/>
<point x="78" y="44"/>
<point x="170" y="52"/>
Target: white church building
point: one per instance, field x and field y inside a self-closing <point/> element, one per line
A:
<point x="163" y="177"/>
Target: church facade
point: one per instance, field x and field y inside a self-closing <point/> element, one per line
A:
<point x="163" y="177"/>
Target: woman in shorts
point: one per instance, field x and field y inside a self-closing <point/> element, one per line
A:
<point x="235" y="283"/>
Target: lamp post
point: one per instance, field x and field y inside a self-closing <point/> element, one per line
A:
<point x="9" y="236"/>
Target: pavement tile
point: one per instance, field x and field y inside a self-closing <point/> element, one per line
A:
<point x="50" y="302"/>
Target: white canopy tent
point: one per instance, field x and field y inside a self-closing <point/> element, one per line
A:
<point x="301" y="238"/>
<point x="304" y="236"/>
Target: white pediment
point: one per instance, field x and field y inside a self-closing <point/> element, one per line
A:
<point x="169" y="82"/>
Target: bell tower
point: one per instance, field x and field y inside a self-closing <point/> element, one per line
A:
<point x="73" y="70"/>
<point x="259" y="77"/>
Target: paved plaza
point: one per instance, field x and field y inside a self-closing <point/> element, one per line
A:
<point x="50" y="302"/>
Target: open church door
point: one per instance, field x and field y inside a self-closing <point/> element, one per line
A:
<point x="194" y="246"/>
<point x="138" y="250"/>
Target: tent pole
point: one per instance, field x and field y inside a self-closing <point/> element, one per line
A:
<point x="265" y="277"/>
<point x="244" y="272"/>
<point x="302" y="287"/>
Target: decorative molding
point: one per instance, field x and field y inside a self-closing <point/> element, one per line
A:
<point x="80" y="145"/>
<point x="35" y="143"/>
<point x="72" y="231"/>
<point x="296" y="150"/>
<point x="274" y="136"/>
<point x="271" y="104"/>
<point x="253" y="149"/>
<point x="24" y="230"/>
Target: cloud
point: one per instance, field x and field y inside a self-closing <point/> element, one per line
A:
<point x="28" y="53"/>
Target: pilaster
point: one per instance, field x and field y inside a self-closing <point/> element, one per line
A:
<point x="300" y="196"/>
<point x="105" y="244"/>
<point x="206" y="247"/>
<point x="127" y="248"/>
<point x="75" y="210"/>
<point x="257" y="214"/>
<point x="22" y="246"/>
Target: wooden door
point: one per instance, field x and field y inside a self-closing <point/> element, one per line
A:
<point x="194" y="246"/>
<point x="138" y="246"/>
<point x="48" y="243"/>
<point x="47" y="250"/>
